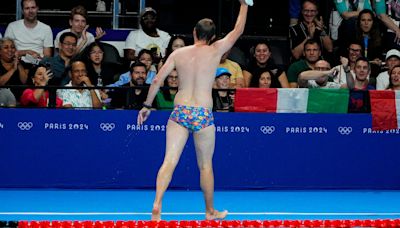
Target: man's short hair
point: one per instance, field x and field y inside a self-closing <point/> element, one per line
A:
<point x="205" y="29"/>
<point x="66" y="34"/>
<point x="79" y="10"/>
<point x="23" y="1"/>
<point x="364" y="59"/>
<point x="137" y="64"/>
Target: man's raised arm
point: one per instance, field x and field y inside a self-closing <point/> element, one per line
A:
<point x="230" y="39"/>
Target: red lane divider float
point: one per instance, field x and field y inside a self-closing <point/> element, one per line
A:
<point x="204" y="223"/>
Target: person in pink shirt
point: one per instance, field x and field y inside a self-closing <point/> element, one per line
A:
<point x="38" y="97"/>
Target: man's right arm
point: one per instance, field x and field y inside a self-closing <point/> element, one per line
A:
<point x="229" y="40"/>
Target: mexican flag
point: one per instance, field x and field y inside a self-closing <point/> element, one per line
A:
<point x="289" y="100"/>
<point x="385" y="109"/>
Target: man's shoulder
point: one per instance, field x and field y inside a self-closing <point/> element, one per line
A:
<point x="17" y="23"/>
<point x="383" y="75"/>
<point x="232" y="63"/>
<point x="61" y="32"/>
<point x="44" y="26"/>
<point x="136" y="31"/>
<point x="163" y="33"/>
<point x="298" y="64"/>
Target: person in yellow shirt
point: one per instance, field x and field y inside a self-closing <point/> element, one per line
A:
<point x="236" y="79"/>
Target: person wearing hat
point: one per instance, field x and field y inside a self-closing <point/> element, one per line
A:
<point x="222" y="99"/>
<point x="148" y="36"/>
<point x="392" y="59"/>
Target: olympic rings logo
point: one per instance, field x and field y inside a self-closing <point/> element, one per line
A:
<point x="345" y="130"/>
<point x="267" y="129"/>
<point x="25" y="126"/>
<point x="107" y="126"/>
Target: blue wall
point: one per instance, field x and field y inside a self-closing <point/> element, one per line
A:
<point x="104" y="149"/>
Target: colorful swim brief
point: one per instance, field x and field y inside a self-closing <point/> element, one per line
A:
<point x="192" y="118"/>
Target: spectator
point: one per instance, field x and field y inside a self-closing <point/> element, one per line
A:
<point x="38" y="97"/>
<point x="133" y="97"/>
<point x="165" y="97"/>
<point x="222" y="99"/>
<point x="310" y="26"/>
<point x="236" y="79"/>
<point x="11" y="70"/>
<point x="312" y="53"/>
<point x="100" y="73"/>
<point x="368" y="34"/>
<point x="395" y="78"/>
<point x="354" y="51"/>
<point x="145" y="56"/>
<point x="359" y="98"/>
<point x="79" y="26"/>
<point x="392" y="59"/>
<point x="325" y="7"/>
<point x="147" y="37"/>
<point x="318" y="78"/>
<point x="79" y="98"/>
<point x="31" y="36"/>
<point x="349" y="11"/>
<point x="175" y="42"/>
<point x="261" y="60"/>
<point x="61" y="60"/>
<point x="265" y="79"/>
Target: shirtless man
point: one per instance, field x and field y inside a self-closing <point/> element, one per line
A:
<point x="196" y="66"/>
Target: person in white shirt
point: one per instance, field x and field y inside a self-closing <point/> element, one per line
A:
<point x="147" y="37"/>
<point x="79" y="98"/>
<point x="392" y="59"/>
<point x="31" y="36"/>
<point x="318" y="78"/>
<point x="79" y="26"/>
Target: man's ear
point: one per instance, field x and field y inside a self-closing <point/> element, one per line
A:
<point x="195" y="35"/>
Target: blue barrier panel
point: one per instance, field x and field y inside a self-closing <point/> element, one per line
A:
<point x="105" y="149"/>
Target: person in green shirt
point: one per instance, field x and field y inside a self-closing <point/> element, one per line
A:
<point x="165" y="97"/>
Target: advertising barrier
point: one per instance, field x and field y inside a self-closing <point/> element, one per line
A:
<point x="48" y="148"/>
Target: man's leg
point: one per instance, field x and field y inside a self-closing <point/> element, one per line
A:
<point x="175" y="142"/>
<point x="205" y="142"/>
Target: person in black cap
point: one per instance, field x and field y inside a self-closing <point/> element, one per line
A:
<point x="147" y="37"/>
<point x="196" y="66"/>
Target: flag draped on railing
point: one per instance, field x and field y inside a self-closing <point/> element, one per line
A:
<point x="385" y="105"/>
<point x="292" y="100"/>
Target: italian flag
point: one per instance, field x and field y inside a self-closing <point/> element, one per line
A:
<point x="385" y="109"/>
<point x="289" y="100"/>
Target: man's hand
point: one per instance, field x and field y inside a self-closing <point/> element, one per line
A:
<point x="84" y="36"/>
<point x="99" y="33"/>
<point x="144" y="113"/>
<point x="248" y="2"/>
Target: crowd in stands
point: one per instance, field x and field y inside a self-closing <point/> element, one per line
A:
<point x="349" y="44"/>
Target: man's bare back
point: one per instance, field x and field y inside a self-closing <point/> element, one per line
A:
<point x="197" y="74"/>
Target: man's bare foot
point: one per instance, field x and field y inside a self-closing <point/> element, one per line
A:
<point x="156" y="214"/>
<point x="216" y="215"/>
